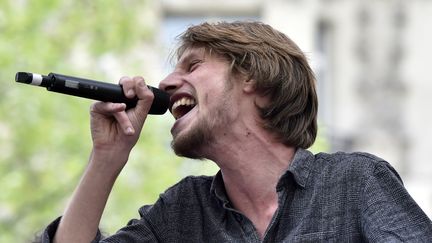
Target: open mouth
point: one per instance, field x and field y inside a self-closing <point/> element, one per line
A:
<point x="182" y="106"/>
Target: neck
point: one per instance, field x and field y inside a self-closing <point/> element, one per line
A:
<point x="251" y="162"/>
<point x="250" y="158"/>
<point x="252" y="169"/>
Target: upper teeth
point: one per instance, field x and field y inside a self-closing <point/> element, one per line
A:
<point x="183" y="101"/>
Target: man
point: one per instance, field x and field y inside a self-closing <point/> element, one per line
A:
<point x="243" y="96"/>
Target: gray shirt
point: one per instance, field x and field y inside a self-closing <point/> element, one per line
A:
<point x="322" y="198"/>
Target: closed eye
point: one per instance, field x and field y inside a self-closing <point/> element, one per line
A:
<point x="194" y="65"/>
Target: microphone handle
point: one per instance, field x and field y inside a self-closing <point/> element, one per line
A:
<point x="101" y="91"/>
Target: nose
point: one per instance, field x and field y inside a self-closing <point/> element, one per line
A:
<point x="170" y="83"/>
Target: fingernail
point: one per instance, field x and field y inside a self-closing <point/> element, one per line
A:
<point x="129" y="131"/>
<point x="130" y="92"/>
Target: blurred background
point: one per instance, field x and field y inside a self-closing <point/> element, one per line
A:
<point x="371" y="58"/>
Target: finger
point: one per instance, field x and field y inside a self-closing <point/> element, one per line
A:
<point x="145" y="96"/>
<point x="107" y="108"/>
<point x="142" y="91"/>
<point x="124" y="122"/>
<point x="128" y="85"/>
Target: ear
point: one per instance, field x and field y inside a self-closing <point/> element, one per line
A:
<point x="248" y="86"/>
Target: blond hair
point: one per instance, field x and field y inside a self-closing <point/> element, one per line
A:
<point x="278" y="67"/>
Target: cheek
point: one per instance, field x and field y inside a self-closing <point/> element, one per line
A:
<point x="206" y="99"/>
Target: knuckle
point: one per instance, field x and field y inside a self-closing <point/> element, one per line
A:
<point x="94" y="107"/>
<point x="124" y="79"/>
<point x="148" y="94"/>
<point x="138" y="79"/>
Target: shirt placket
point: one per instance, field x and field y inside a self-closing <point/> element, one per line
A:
<point x="284" y="191"/>
<point x="247" y="227"/>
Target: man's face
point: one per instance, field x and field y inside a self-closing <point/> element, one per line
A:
<point x="201" y="98"/>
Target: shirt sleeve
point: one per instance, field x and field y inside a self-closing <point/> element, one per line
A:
<point x="135" y="231"/>
<point x="151" y="227"/>
<point x="389" y="213"/>
<point x="49" y="232"/>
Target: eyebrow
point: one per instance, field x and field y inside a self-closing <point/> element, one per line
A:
<point x="187" y="59"/>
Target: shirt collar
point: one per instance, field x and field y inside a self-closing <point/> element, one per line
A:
<point x="218" y="188"/>
<point x="299" y="170"/>
<point x="300" y="167"/>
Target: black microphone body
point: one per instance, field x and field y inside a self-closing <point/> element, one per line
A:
<point x="91" y="89"/>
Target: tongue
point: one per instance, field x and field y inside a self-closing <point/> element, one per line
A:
<point x="182" y="110"/>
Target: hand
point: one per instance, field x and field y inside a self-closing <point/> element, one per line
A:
<point x="114" y="129"/>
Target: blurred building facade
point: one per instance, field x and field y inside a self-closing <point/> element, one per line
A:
<point x="371" y="62"/>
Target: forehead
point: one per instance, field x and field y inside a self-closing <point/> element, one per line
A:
<point x="200" y="53"/>
<point x="192" y="53"/>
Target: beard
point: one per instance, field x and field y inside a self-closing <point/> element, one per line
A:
<point x="194" y="143"/>
<point x="191" y="144"/>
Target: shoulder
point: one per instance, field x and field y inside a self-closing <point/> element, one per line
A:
<point x="352" y="166"/>
<point x="175" y="207"/>
<point x="187" y="193"/>
<point x="188" y="188"/>
<point x="355" y="160"/>
<point x="192" y="182"/>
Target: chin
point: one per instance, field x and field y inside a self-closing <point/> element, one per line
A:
<point x="193" y="142"/>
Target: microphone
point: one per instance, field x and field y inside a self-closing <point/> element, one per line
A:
<point x="91" y="89"/>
